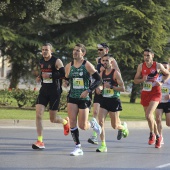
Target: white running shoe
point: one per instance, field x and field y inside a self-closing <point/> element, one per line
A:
<point x="96" y="127"/>
<point x="93" y="140"/>
<point x="162" y="141"/>
<point x="77" y="151"/>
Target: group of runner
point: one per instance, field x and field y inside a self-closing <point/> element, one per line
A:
<point x="106" y="84"/>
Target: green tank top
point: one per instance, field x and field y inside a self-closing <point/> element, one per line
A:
<point x="79" y="81"/>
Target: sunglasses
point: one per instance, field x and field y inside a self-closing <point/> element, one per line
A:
<point x="100" y="49"/>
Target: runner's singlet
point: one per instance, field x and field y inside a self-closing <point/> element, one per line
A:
<point x="79" y="81"/>
<point x="49" y="68"/>
<point x="107" y="92"/>
<point x="151" y="74"/>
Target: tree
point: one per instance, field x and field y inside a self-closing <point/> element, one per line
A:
<point x="20" y="23"/>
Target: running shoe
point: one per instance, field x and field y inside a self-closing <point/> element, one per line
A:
<point x="102" y="149"/>
<point x="93" y="140"/>
<point x="96" y="127"/>
<point x="162" y="141"/>
<point x="77" y="151"/>
<point x="38" y="145"/>
<point x="119" y="134"/>
<point x="67" y="127"/>
<point x="125" y="131"/>
<point x="158" y="142"/>
<point x="151" y="139"/>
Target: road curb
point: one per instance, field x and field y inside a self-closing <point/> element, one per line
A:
<point x="48" y="124"/>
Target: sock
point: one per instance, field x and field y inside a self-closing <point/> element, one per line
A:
<point x="94" y="134"/>
<point x="157" y="136"/>
<point x="64" y="122"/>
<point x="103" y="143"/>
<point x="40" y="138"/>
<point x="75" y="135"/>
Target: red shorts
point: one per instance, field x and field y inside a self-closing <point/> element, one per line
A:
<point x="153" y="95"/>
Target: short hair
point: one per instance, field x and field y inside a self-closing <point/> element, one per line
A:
<point x="82" y="46"/>
<point x="48" y="44"/>
<point x="148" y="50"/>
<point x="164" y="62"/>
<point x="102" y="45"/>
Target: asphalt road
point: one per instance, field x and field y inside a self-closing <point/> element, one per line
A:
<point x="132" y="152"/>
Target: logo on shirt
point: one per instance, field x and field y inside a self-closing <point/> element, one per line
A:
<point x="41" y="65"/>
<point x="49" y="66"/>
<point x="81" y="73"/>
<point x="152" y="71"/>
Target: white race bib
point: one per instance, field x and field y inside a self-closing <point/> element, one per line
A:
<point x="165" y="92"/>
<point x="47" y="80"/>
<point x="107" y="92"/>
<point x="147" y="86"/>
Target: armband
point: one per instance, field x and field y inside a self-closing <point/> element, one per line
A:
<point x="97" y="81"/>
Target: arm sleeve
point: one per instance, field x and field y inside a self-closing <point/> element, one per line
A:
<point x="97" y="81"/>
<point x="59" y="74"/>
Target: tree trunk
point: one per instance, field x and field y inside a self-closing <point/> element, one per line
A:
<point x="14" y="76"/>
<point x="134" y="93"/>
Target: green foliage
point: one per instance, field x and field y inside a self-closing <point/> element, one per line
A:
<point x="127" y="26"/>
<point x="26" y="98"/>
<point x="5" y="97"/>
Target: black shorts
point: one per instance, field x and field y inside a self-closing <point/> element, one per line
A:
<point x="111" y="104"/>
<point x="49" y="95"/>
<point x="164" y="106"/>
<point x="82" y="104"/>
<point x="97" y="98"/>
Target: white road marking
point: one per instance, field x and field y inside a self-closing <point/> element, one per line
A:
<point x="163" y="166"/>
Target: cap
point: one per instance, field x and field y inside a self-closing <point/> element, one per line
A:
<point x="102" y="45"/>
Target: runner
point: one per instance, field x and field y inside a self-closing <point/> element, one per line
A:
<point x="147" y="73"/>
<point x="78" y="73"/>
<point x="110" y="103"/>
<point x="52" y="70"/>
<point x="164" y="105"/>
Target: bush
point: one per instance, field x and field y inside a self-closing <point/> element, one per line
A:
<point x="25" y="97"/>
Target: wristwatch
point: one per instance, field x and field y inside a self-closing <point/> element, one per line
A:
<point x="88" y="90"/>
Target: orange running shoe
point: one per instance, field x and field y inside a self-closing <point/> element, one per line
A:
<point x="67" y="127"/>
<point x="151" y="139"/>
<point x="38" y="145"/>
<point x="158" y="142"/>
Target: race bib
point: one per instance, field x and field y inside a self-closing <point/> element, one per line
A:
<point x="165" y="93"/>
<point x="107" y="92"/>
<point x="78" y="83"/>
<point x="147" y="86"/>
<point x="47" y="80"/>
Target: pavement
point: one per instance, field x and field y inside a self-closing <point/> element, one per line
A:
<point x="47" y="124"/>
